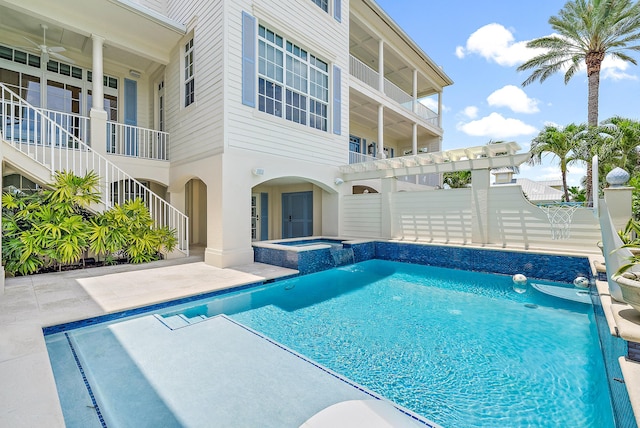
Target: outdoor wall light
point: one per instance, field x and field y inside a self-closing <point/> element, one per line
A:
<point x="257" y="171"/>
<point x="135" y="74"/>
<point x="338" y="181"/>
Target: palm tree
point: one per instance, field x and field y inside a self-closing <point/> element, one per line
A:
<point x="588" y="30"/>
<point x="457" y="179"/>
<point x="627" y="139"/>
<point x="558" y="142"/>
<point x="592" y="141"/>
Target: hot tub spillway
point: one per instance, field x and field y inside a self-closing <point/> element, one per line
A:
<point x="342" y="256"/>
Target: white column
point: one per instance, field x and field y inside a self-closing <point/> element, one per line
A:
<point x="415" y="90"/>
<point x="480" y="231"/>
<point x="440" y="109"/>
<point x="414" y="141"/>
<point x="380" y="132"/>
<point x="97" y="91"/>
<point x="381" y="66"/>
<point x="97" y="114"/>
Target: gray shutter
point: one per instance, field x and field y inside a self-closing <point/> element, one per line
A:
<point x="248" y="60"/>
<point x="337" y="10"/>
<point x="337" y="101"/>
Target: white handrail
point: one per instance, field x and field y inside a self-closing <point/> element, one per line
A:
<point x="31" y="131"/>
<point x="129" y="140"/>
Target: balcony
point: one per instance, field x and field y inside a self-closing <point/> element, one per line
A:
<point x="371" y="78"/>
<point x="124" y="140"/>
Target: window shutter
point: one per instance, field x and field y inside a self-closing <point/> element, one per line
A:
<point x="248" y="60"/>
<point x="337" y="101"/>
<point x="337" y="10"/>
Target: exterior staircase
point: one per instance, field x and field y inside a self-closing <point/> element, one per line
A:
<point x="38" y="146"/>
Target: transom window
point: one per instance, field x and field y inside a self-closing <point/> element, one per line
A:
<point x="293" y="83"/>
<point x="323" y="4"/>
<point x="189" y="74"/>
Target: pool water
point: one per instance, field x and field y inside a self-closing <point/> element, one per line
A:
<point x="462" y="349"/>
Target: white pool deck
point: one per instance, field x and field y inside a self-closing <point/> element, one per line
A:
<point x="27" y="386"/>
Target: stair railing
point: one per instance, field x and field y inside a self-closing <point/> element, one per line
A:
<point x="32" y="132"/>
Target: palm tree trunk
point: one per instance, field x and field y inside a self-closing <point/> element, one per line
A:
<point x="594" y="61"/>
<point x="564" y="185"/>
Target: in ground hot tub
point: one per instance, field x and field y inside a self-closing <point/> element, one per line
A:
<point x="312" y="254"/>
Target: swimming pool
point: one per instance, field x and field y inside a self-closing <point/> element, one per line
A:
<point x="460" y="348"/>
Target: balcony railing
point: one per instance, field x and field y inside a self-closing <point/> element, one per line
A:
<point x="370" y="77"/>
<point x="363" y="72"/>
<point x="74" y="124"/>
<point x="355" y="157"/>
<point x="128" y="140"/>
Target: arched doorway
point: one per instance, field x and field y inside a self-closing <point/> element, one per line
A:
<point x="196" y="210"/>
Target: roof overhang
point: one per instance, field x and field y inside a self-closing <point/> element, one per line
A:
<point x="123" y="24"/>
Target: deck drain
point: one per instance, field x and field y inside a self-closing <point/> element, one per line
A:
<point x="531" y="305"/>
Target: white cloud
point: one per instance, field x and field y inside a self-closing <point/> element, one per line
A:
<point x="614" y="68"/>
<point x="496" y="43"/>
<point x="431" y="104"/>
<point x="495" y="126"/>
<point x="471" y="112"/>
<point x="514" y="98"/>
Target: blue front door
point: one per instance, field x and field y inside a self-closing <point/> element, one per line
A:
<point x="297" y="214"/>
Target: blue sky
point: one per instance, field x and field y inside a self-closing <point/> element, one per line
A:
<point x="479" y="45"/>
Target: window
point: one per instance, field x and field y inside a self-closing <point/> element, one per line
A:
<point x="189" y="74"/>
<point x="292" y="78"/>
<point x="323" y="4"/>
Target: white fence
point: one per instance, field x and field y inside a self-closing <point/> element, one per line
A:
<point x="448" y="216"/>
<point x="34" y="133"/>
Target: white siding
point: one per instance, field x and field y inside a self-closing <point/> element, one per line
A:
<point x="197" y="130"/>
<point x="308" y="26"/>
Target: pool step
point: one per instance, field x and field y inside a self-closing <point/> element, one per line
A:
<point x="180" y="320"/>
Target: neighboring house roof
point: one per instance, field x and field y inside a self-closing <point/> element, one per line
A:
<point x="551" y="183"/>
<point x="538" y="191"/>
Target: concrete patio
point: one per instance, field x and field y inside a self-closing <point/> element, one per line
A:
<point x="28" y="391"/>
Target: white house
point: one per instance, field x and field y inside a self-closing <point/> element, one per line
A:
<point x="237" y="113"/>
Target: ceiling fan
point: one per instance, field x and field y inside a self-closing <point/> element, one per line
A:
<point x="46" y="51"/>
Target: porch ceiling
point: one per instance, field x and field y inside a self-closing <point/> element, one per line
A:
<point x="135" y="36"/>
<point x="364" y="112"/>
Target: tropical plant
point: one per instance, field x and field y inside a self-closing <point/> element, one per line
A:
<point x="577" y="194"/>
<point x="457" y="179"/>
<point x="129" y="227"/>
<point x="54" y="227"/>
<point x="559" y="142"/>
<point x="592" y="141"/>
<point x="587" y="32"/>
<point x="626" y="133"/>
